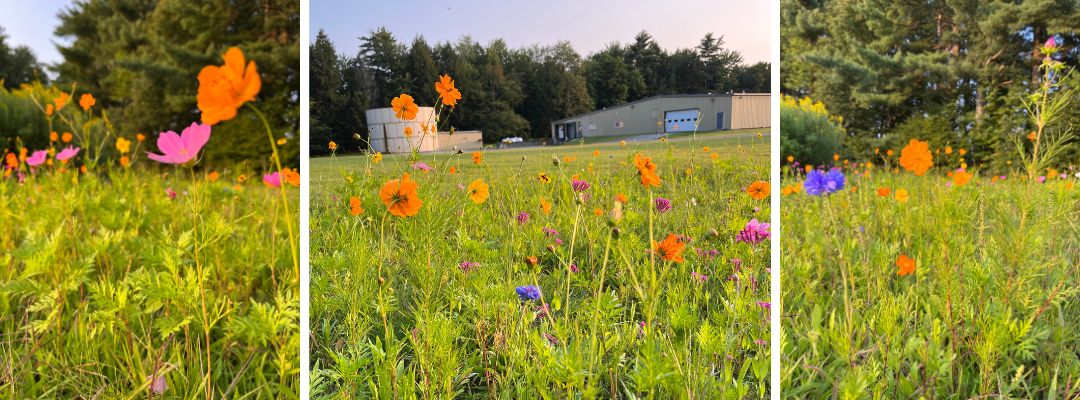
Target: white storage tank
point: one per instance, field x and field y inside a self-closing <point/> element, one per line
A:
<point x="386" y="133"/>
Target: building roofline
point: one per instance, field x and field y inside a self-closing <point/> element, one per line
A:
<point x="663" y="96"/>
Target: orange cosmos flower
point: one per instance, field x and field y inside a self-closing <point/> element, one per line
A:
<point x="224" y="89"/>
<point x="532" y="260"/>
<point x="598" y="211"/>
<point x="962" y="151"/>
<point x="647" y="170"/>
<point x="12" y="160"/>
<point x="545" y="205"/>
<point x="399" y="196"/>
<point x="86" y="101"/>
<point x="621" y="198"/>
<point x="213" y="176"/>
<point x="478" y="191"/>
<point x="790" y="159"/>
<point x="404" y="107"/>
<point x="948" y="149"/>
<point x="889" y="153"/>
<point x="453" y="170"/>
<point x="961" y="177"/>
<point x="916" y="157"/>
<point x="714" y="156"/>
<point x="759" y="190"/>
<point x="447" y="92"/>
<point x="376" y="158"/>
<point x="1031" y="136"/>
<point x="53" y="136"/>
<point x="125" y="161"/>
<point x="62" y="100"/>
<point x="836" y="157"/>
<point x="241" y="178"/>
<point x="883" y="191"/>
<point x="477" y="157"/>
<point x="905" y="265"/>
<point x="333" y="146"/>
<point x="354" y="206"/>
<point x="408" y="131"/>
<point x="49" y="110"/>
<point x="66" y="137"/>
<point x="670" y="248"/>
<point x="292" y="176"/>
<point x="140" y="137"/>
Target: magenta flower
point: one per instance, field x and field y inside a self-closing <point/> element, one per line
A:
<point x="662" y="205"/>
<point x="1050" y="43"/>
<point x="523" y="217"/>
<point x="420" y="165"/>
<point x="37" y="158"/>
<point x="699" y="277"/>
<point x="171" y="193"/>
<point x="755" y="232"/>
<point x="179" y="149"/>
<point x="272" y="180"/>
<point x="579" y="185"/>
<point x="67" y="153"/>
<point x="467" y="266"/>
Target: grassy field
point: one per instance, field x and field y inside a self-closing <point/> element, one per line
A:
<point x="988" y="309"/>
<point x="110" y="288"/>
<point x="439" y="304"/>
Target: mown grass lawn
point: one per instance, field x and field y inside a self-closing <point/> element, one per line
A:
<point x="436" y="306"/>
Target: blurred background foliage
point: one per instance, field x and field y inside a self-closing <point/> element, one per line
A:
<point x="141" y="58"/>
<point x="948" y="71"/>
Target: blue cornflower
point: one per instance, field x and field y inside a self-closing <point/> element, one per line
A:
<point x="818" y="183"/>
<point x="528" y="292"/>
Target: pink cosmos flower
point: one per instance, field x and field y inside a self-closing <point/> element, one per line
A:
<point x="37" y="158"/>
<point x="273" y="180"/>
<point x="179" y="149"/>
<point x="755" y="232"/>
<point x="66" y="153"/>
<point x="1050" y="43"/>
<point x="170" y="193"/>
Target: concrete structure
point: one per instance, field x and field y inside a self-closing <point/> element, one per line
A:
<point x="386" y="133"/>
<point x="667" y="114"/>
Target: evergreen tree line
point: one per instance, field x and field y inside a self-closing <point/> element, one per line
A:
<point x="508" y="92"/>
<point x="141" y="59"/>
<point x="18" y="65"/>
<point x="951" y="71"/>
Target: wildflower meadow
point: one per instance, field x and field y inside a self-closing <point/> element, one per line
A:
<point x="624" y="269"/>
<point x="909" y="273"/>
<point x="129" y="268"/>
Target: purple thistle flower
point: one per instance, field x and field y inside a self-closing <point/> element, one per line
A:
<point x="574" y="268"/>
<point x="523" y="217"/>
<point x="580" y="185"/>
<point x="662" y="205"/>
<point x="528" y="292"/>
<point x="158" y="385"/>
<point x="699" y="277"/>
<point x="467" y="266"/>
<point x="764" y="304"/>
<point x="760" y="342"/>
<point x="559" y="241"/>
<point x="736" y="263"/>
<point x="755" y="232"/>
<point x="549" y="232"/>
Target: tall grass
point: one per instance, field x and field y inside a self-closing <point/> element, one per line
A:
<point x="991" y="310"/>
<point x="395" y="316"/>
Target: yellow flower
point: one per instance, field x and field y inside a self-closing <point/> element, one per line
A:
<point x="123" y="145"/>
<point x="902" y="195"/>
<point x="282" y="141"/>
<point x="333" y="146"/>
<point x="478" y="191"/>
<point x="376" y="158"/>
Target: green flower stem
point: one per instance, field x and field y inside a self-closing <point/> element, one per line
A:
<point x="294" y="247"/>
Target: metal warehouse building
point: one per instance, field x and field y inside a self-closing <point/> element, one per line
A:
<point x="671" y="113"/>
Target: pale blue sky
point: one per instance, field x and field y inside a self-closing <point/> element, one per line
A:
<point x="588" y="25"/>
<point x="31" y="23"/>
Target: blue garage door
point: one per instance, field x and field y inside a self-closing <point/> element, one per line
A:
<point x="680" y="121"/>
